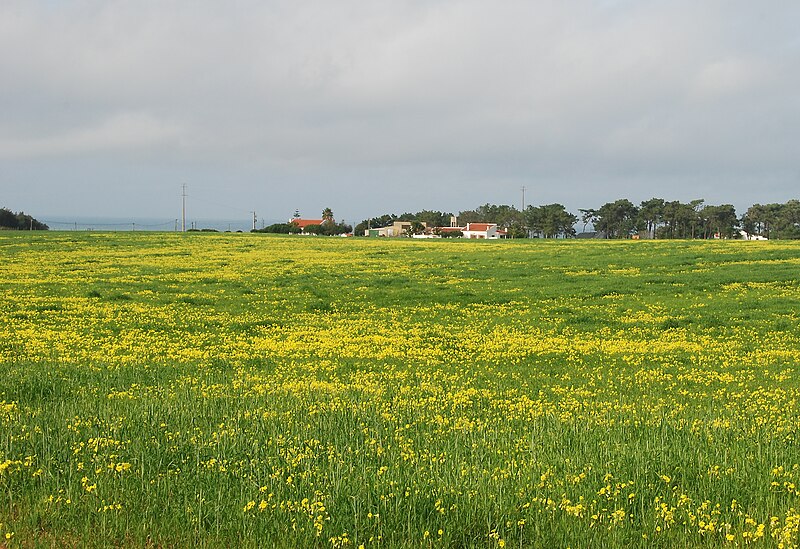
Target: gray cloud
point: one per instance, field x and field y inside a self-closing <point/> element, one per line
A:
<point x="376" y="106"/>
<point x="120" y="131"/>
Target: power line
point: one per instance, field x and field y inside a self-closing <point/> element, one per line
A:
<point x="134" y="224"/>
<point x="99" y="224"/>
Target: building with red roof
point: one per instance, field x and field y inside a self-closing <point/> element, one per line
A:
<point x="483" y="230"/>
<point x="303" y="223"/>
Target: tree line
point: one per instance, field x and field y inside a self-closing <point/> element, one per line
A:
<point x="781" y="221"/>
<point x="20" y="221"/>
<point x="549" y="221"/>
<point x="655" y="218"/>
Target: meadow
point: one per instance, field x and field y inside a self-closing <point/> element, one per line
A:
<point x="170" y="390"/>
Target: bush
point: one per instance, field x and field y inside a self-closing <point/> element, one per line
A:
<point x="452" y="234"/>
<point x="279" y="228"/>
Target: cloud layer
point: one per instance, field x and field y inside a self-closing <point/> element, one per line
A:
<point x="385" y="106"/>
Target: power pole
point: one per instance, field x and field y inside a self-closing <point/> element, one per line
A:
<point x="183" y="210"/>
<point x="523" y="198"/>
<point x="254" y="220"/>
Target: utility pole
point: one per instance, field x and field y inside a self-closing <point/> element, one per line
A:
<point x="254" y="220"/>
<point x="523" y="198"/>
<point x="183" y="211"/>
<point x="176" y="225"/>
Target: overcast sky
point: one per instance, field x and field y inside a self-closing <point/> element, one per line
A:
<point x="374" y="106"/>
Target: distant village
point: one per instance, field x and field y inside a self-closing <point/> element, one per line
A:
<point x="652" y="219"/>
<point x="415" y="229"/>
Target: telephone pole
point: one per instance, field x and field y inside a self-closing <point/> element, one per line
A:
<point x="183" y="210"/>
<point x="523" y="198"/>
<point x="254" y="220"/>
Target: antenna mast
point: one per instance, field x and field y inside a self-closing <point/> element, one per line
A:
<point x="183" y="211"/>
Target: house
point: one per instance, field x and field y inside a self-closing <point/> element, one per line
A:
<point x="303" y="223"/>
<point x="483" y="231"/>
<point x="473" y="231"/>
<point x="398" y="228"/>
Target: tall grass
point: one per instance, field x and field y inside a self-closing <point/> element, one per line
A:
<point x="182" y="390"/>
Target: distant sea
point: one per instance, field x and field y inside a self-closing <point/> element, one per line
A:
<point x="119" y="224"/>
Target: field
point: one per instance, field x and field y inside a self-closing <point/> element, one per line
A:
<point x="164" y="390"/>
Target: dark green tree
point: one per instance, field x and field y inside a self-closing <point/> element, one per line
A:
<point x="505" y="216"/>
<point x="433" y="218"/>
<point x="588" y="215"/>
<point x="789" y="220"/>
<point x="550" y="221"/>
<point x="719" y="221"/>
<point x="8" y="219"/>
<point x="773" y="221"/>
<point x="679" y="220"/>
<point x="415" y="227"/>
<point x="651" y="215"/>
<point x="617" y="219"/>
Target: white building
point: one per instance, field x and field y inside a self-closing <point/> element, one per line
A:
<point x="483" y="230"/>
<point x="398" y="228"/>
<point x="747" y="236"/>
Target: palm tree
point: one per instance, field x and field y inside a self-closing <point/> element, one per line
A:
<point x="327" y="215"/>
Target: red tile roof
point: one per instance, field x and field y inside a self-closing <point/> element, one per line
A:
<point x="303" y="223"/>
<point x="482" y="227"/>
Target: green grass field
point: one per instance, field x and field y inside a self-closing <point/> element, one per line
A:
<point x="168" y="390"/>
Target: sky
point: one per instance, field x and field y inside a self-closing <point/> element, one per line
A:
<point x="372" y="106"/>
